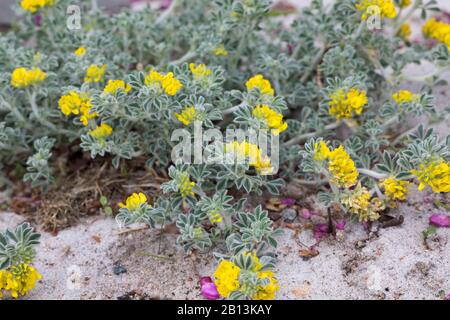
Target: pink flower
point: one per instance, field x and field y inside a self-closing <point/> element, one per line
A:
<point x="447" y="297"/>
<point x="209" y="290"/>
<point x="440" y="220"/>
<point x="305" y="213"/>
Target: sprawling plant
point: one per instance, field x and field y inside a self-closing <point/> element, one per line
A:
<point x="328" y="86"/>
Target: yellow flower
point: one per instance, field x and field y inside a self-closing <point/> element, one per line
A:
<point x="76" y="103"/>
<point x="186" y="116"/>
<point x="133" y="202"/>
<point x="18" y="280"/>
<point x="436" y="174"/>
<point x="94" y="73"/>
<point x="70" y="103"/>
<point x="405" y="3"/>
<point x="344" y="104"/>
<point x="386" y="7"/>
<point x="80" y="51"/>
<point x="404" y="96"/>
<point x="214" y="216"/>
<point x="321" y="151"/>
<point x="114" y="85"/>
<point x="186" y="185"/>
<point x="220" y="51"/>
<point x="252" y="153"/>
<point x="437" y="30"/>
<point x="268" y="291"/>
<point x="101" y="132"/>
<point x="258" y="82"/>
<point x="34" y="5"/>
<point x="167" y="82"/>
<point x="273" y="119"/>
<point x="200" y="71"/>
<point x="359" y="203"/>
<point x="405" y="31"/>
<point x="395" y="189"/>
<point x="342" y="167"/>
<point x="226" y="278"/>
<point x="22" y="77"/>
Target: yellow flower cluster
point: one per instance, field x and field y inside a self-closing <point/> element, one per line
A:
<point x="80" y="51"/>
<point x="134" y="201"/>
<point x="77" y="103"/>
<point x="273" y="119"/>
<point x="340" y="165"/>
<point x="220" y="51"/>
<point x="344" y="104"/>
<point x="258" y="82"/>
<point x="18" y="280"/>
<point x="200" y="71"/>
<point x="94" y="73"/>
<point x="167" y="82"/>
<point x="186" y="185"/>
<point x="227" y="278"/>
<point x="186" y="116"/>
<point x="113" y="85"/>
<point x="405" y="31"/>
<point x="22" y="77"/>
<point x="214" y="216"/>
<point x="101" y="132"/>
<point x="395" y="189"/>
<point x="437" y="30"/>
<point x="35" y="5"/>
<point x="360" y="204"/>
<point x="404" y="3"/>
<point x="253" y="153"/>
<point x="404" y="96"/>
<point x="386" y="7"/>
<point x="436" y="174"/>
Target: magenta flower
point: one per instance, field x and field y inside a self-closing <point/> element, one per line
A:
<point x="208" y="288"/>
<point x="288" y="201"/>
<point x="447" y="297"/>
<point x="340" y="225"/>
<point x="320" y="230"/>
<point x="440" y="220"/>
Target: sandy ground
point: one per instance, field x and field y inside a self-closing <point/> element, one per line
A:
<point x="81" y="262"/>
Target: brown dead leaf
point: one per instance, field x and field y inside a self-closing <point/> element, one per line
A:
<point x="303" y="290"/>
<point x="308" y="253"/>
<point x="96" y="238"/>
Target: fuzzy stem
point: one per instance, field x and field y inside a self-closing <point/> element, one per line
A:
<point x="408" y="15"/>
<point x="306" y="136"/>
<point x="167" y="12"/>
<point x="190" y="54"/>
<point x="314" y="64"/>
<point x="372" y="173"/>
